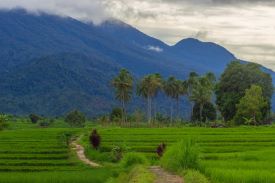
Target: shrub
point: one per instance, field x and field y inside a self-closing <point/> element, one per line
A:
<point x="76" y="119"/>
<point x="208" y="112"/>
<point x="44" y="123"/>
<point x="118" y="151"/>
<point x="194" y="176"/>
<point x="34" y="118"/>
<point x="160" y="149"/>
<point x="116" y="114"/>
<point x="3" y="121"/>
<point x="131" y="159"/>
<point x="95" y="139"/>
<point x="182" y="155"/>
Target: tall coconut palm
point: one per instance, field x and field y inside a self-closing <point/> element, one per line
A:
<point x="202" y="91"/>
<point x="193" y="76"/>
<point x="123" y="84"/>
<point x="174" y="88"/>
<point x="148" y="88"/>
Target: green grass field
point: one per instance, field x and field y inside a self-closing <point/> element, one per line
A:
<point x="42" y="155"/>
<point x="230" y="155"/>
<point x="237" y="155"/>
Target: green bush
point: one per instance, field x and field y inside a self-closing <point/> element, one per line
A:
<point x="34" y="118"/>
<point x="116" y="114"/>
<point x="75" y="119"/>
<point x="131" y="159"/>
<point x="194" y="176"/>
<point x="180" y="156"/>
<point x="3" y="121"/>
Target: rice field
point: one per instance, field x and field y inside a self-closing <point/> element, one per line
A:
<point x="236" y="155"/>
<point x="42" y="155"/>
<point x="229" y="155"/>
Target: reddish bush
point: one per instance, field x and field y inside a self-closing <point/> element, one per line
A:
<point x="161" y="149"/>
<point x="95" y="139"/>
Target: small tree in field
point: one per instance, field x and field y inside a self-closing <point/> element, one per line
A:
<point x="95" y="139"/>
<point x="75" y="119"/>
<point x="34" y="118"/>
<point x="249" y="110"/>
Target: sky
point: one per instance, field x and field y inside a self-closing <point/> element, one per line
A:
<point x="244" y="27"/>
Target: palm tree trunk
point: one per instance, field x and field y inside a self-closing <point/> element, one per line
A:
<point x="148" y="109"/>
<point x="171" y="112"/>
<point x="192" y="109"/>
<point x="123" y="110"/>
<point x="178" y="108"/>
<point x="201" y="109"/>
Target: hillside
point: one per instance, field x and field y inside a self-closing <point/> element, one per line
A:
<point x="50" y="64"/>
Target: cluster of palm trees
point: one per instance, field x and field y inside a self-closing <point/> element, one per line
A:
<point x="199" y="90"/>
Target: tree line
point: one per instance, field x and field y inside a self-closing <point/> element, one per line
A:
<point x="242" y="94"/>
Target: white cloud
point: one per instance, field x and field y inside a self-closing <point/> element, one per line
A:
<point x="91" y="10"/>
<point x="155" y="48"/>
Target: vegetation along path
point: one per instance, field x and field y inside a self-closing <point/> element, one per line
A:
<point x="163" y="176"/>
<point x="81" y="155"/>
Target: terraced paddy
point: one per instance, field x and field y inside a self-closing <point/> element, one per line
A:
<point x="237" y="155"/>
<point x="42" y="155"/>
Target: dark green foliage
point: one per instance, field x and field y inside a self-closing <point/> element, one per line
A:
<point x="233" y="83"/>
<point x="34" y="118"/>
<point x="161" y="118"/>
<point x="95" y="139"/>
<point x="3" y="121"/>
<point x="116" y="114"/>
<point x="75" y="119"/>
<point x="209" y="112"/>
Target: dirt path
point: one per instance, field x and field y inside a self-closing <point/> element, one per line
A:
<point x="81" y="155"/>
<point x="164" y="176"/>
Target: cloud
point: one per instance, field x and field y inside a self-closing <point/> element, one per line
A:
<point x="245" y="27"/>
<point x="91" y="10"/>
<point x="155" y="48"/>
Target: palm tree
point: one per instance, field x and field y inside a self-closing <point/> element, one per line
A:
<point x="174" y="88"/>
<point x="148" y="88"/>
<point x="202" y="91"/>
<point x="123" y="84"/>
<point x="190" y="84"/>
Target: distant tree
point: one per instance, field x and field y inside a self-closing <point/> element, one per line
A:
<point x="3" y="121"/>
<point x="116" y="114"/>
<point x="75" y="119"/>
<point x="123" y="84"/>
<point x="34" y="118"/>
<point x="202" y="92"/>
<point x="174" y="88"/>
<point x="233" y="84"/>
<point x="95" y="139"/>
<point x="249" y="110"/>
<point x="191" y="81"/>
<point x="209" y="112"/>
<point x="148" y="88"/>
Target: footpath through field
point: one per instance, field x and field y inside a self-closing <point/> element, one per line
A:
<point x="164" y="176"/>
<point x="81" y="155"/>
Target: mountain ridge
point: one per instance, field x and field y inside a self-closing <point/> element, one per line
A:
<point x="51" y="64"/>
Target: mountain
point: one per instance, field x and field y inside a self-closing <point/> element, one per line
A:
<point x="50" y="64"/>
